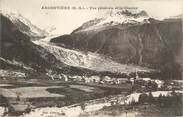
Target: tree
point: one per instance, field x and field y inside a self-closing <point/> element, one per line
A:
<point x="3" y="101"/>
<point x="18" y="95"/>
<point x="159" y="100"/>
<point x="151" y="99"/>
<point x="154" y="86"/>
<point x="83" y="106"/>
<point x="133" y="102"/>
<point x="143" y="98"/>
<point x="176" y="99"/>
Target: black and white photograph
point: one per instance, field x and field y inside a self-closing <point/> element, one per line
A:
<point x="91" y="58"/>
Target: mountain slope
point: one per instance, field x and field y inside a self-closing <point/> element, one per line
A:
<point x="155" y="44"/>
<point x="25" y="26"/>
<point x="122" y="17"/>
<point x="20" y="54"/>
<point x="16" y="46"/>
<point x="91" y="61"/>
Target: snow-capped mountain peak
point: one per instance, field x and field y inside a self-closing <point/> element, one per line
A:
<point x="129" y="13"/>
<point x="24" y="25"/>
<point x="115" y="17"/>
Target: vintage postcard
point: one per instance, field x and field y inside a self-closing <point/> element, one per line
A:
<point x="91" y="58"/>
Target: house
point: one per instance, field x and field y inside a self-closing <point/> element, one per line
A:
<point x="145" y="79"/>
<point x="95" y="78"/>
<point x="87" y="80"/>
<point x="107" y="79"/>
<point x="160" y="83"/>
<point x="142" y="81"/>
<point x="65" y="78"/>
<point x="132" y="80"/>
<point x="121" y="80"/>
<point x="76" y="78"/>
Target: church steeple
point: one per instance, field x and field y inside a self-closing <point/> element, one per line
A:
<point x="136" y="74"/>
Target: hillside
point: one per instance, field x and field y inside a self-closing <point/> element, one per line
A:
<point x="16" y="46"/>
<point x="89" y="60"/>
<point x="150" y="43"/>
<point x="25" y="26"/>
<point x="19" y="53"/>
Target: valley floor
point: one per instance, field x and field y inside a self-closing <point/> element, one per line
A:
<point x="55" y="98"/>
<point x="36" y="93"/>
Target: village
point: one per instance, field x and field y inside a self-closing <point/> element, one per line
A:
<point x="136" y="87"/>
<point x="138" y="84"/>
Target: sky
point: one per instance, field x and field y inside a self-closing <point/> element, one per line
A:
<point x="65" y="21"/>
